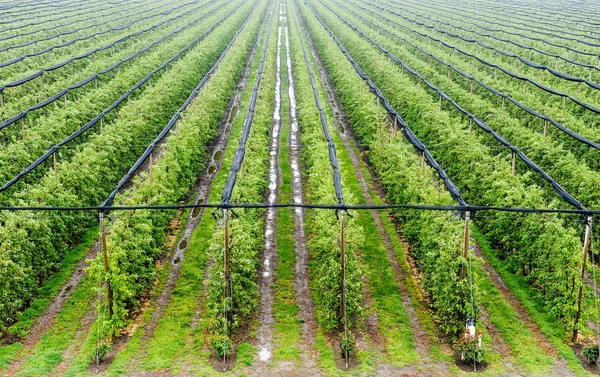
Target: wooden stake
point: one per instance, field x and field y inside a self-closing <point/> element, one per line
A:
<point x="470" y="126"/>
<point x="514" y="163"/>
<point x="564" y="105"/>
<point x="109" y="294"/>
<point x="65" y="101"/>
<point x="2" y="98"/>
<point x="227" y="270"/>
<point x="419" y="87"/>
<point x="463" y="272"/>
<point x="584" y="257"/>
<point x="101" y="124"/>
<point x="503" y="98"/>
<point x="545" y="129"/>
<point x="440" y="102"/>
<point x="472" y="80"/>
<point x="422" y="163"/>
<point x="55" y="166"/>
<point x="96" y="83"/>
<point x="343" y="269"/>
<point x="23" y="127"/>
<point x="524" y="88"/>
<point x="150" y="166"/>
<point x="41" y="84"/>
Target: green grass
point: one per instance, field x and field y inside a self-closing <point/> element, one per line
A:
<point x="285" y="309"/>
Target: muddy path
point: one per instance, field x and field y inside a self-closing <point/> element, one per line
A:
<point x="301" y="269"/>
<point x="269" y="257"/>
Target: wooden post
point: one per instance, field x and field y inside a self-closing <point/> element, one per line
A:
<point x="440" y="102"/>
<point x="343" y="270"/>
<point x="150" y="166"/>
<point x="524" y="88"/>
<point x="545" y="129"/>
<point x="472" y="79"/>
<point x="470" y="126"/>
<point x="463" y="272"/>
<point x="419" y="87"/>
<point x="55" y="166"/>
<point x="514" y="163"/>
<point x="119" y="69"/>
<point x="41" y="84"/>
<point x="564" y="106"/>
<point x="109" y="294"/>
<point x="227" y="270"/>
<point x="23" y="127"/>
<point x="495" y="73"/>
<point x="65" y="101"/>
<point x="422" y="163"/>
<point x="2" y="98"/>
<point x="101" y="124"/>
<point x="503" y="98"/>
<point x="177" y="129"/>
<point x="96" y="82"/>
<point x="449" y="71"/>
<point x="586" y="245"/>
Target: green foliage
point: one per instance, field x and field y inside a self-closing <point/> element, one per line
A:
<point x="32" y="245"/>
<point x="591" y="353"/>
<point x="469" y="350"/>
<point x="541" y="247"/>
<point x="436" y="240"/>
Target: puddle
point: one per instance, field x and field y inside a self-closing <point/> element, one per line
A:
<point x="183" y="244"/>
<point x="218" y="155"/>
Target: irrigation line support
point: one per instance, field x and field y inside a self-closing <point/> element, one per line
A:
<point x="463" y="271"/>
<point x="564" y="106"/>
<point x="101" y="125"/>
<point x="584" y="257"/>
<point x="470" y="126"/>
<point x="150" y="166"/>
<point x="503" y="98"/>
<point x="55" y="166"/>
<point x="65" y="101"/>
<point x="524" y="88"/>
<point x="545" y="129"/>
<point x="472" y="79"/>
<point x="23" y="127"/>
<point x="2" y="98"/>
<point x="422" y="163"/>
<point x="227" y="267"/>
<point x="514" y="163"/>
<point x="440" y="102"/>
<point x="96" y="82"/>
<point x="41" y="84"/>
<point x="109" y="293"/>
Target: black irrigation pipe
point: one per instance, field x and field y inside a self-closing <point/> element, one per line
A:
<point x="23" y="4"/>
<point x="114" y="105"/>
<point x="540" y="40"/>
<point x="40" y="8"/>
<point x="516" y="151"/>
<point x="240" y="152"/>
<point x="44" y="13"/>
<point x="410" y="136"/>
<point x="102" y="48"/>
<point x="558" y="16"/>
<point x="582" y="104"/>
<point x="337" y="180"/>
<point x="86" y="13"/>
<point x="140" y="161"/>
<point x="345" y="207"/>
<point x="476" y="16"/>
<point x="93" y="77"/>
<point x="90" y="36"/>
<point x="530" y="111"/>
<point x="46" y="38"/>
<point x="78" y="21"/>
<point x="486" y="35"/>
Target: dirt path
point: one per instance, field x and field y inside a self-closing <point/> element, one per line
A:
<point x="266" y="278"/>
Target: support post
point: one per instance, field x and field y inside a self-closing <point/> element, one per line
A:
<point x="227" y="270"/>
<point x="463" y="271"/>
<point x="545" y="129"/>
<point x="584" y="257"/>
<point x="96" y="83"/>
<point x="564" y="106"/>
<point x="514" y="163"/>
<point x="343" y="270"/>
<point x="65" y="101"/>
<point x="41" y="84"/>
<point x="109" y="294"/>
<point x="470" y="126"/>
<point x="524" y="88"/>
<point x="150" y="166"/>
<point x="503" y="98"/>
<point x="422" y="163"/>
<point x="23" y="127"/>
<point x="440" y="102"/>
<point x="2" y="98"/>
<point x="101" y="124"/>
<point x="419" y="87"/>
<point x="55" y="166"/>
<point x="472" y="79"/>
